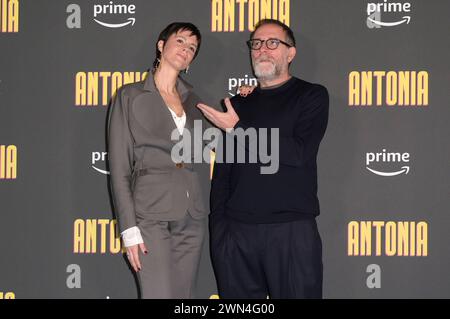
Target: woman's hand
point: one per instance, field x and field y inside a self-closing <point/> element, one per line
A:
<point x="133" y="255"/>
<point x="245" y="90"/>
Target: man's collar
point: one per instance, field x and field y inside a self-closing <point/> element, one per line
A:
<point x="276" y="85"/>
<point x="183" y="87"/>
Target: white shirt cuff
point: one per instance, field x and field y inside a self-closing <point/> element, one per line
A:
<point x="132" y="236"/>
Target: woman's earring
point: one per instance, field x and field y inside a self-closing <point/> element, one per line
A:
<point x="158" y="62"/>
<point x="186" y="70"/>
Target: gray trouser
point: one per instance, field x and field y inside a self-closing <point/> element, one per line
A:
<point x="169" y="270"/>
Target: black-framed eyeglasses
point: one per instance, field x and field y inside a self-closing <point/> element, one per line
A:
<point x="271" y="44"/>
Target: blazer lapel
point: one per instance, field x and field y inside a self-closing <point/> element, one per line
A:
<point x="168" y="124"/>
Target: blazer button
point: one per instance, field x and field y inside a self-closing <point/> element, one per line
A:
<point x="179" y="165"/>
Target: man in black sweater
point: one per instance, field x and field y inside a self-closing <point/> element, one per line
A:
<point x="263" y="232"/>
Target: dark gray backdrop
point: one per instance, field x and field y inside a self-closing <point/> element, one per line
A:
<point x="55" y="139"/>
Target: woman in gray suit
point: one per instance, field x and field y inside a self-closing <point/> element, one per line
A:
<point x="158" y="199"/>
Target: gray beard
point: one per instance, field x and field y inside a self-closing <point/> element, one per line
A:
<point x="267" y="74"/>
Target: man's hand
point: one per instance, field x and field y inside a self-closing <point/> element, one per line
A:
<point x="224" y="120"/>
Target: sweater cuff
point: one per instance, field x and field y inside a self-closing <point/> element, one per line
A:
<point x="239" y="124"/>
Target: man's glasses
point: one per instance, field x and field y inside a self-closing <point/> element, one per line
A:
<point x="271" y="44"/>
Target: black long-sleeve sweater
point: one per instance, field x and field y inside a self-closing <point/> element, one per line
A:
<point x="299" y="110"/>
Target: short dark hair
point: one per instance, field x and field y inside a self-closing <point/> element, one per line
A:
<point x="173" y="28"/>
<point x="289" y="34"/>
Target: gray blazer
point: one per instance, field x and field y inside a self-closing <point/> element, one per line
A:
<point x="145" y="182"/>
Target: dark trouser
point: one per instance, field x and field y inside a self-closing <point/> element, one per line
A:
<point x="282" y="260"/>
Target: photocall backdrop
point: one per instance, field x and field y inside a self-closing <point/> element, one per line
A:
<point x="383" y="163"/>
